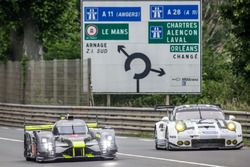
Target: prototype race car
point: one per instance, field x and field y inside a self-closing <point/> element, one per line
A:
<point x="68" y="139"/>
<point x="197" y="127"/>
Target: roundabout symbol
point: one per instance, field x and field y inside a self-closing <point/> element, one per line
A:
<point x="147" y="62"/>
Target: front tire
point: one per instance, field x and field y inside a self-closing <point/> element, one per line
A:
<point x="112" y="157"/>
<point x="29" y="159"/>
<point x="155" y="135"/>
<point x="167" y="140"/>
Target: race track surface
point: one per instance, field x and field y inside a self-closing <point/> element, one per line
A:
<point x="133" y="152"/>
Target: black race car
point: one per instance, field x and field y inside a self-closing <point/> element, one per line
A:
<point x="68" y="139"/>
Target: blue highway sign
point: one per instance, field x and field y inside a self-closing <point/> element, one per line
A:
<point x="93" y="14"/>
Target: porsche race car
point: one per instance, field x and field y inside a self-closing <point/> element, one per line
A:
<point x="197" y="127"/>
<point x="68" y="139"/>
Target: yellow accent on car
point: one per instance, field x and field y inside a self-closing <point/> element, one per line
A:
<point x="78" y="144"/>
<point x="92" y="125"/>
<point x="90" y="155"/>
<point x="67" y="156"/>
<point x="38" y="127"/>
<point x="98" y="135"/>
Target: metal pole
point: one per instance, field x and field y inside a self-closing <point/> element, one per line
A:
<point x="167" y="100"/>
<point x="108" y="100"/>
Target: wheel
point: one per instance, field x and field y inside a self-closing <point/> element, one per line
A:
<point x="25" y="153"/>
<point x="111" y="157"/>
<point x="155" y="135"/>
<point x="29" y="159"/>
<point x="167" y="143"/>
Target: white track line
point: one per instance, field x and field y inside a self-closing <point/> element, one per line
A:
<point x="141" y="156"/>
<point x="8" y="139"/>
<point x="121" y="137"/>
<point x="169" y="160"/>
<point x="3" y="127"/>
<point x="147" y="140"/>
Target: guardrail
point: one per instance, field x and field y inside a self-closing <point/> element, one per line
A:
<point x="136" y="121"/>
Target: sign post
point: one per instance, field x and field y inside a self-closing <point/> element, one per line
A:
<point x="143" y="46"/>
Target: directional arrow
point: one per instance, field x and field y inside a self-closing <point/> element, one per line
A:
<point x="161" y="72"/>
<point x="121" y="48"/>
<point x="145" y="59"/>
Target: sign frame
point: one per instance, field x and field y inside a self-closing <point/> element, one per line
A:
<point x="166" y="93"/>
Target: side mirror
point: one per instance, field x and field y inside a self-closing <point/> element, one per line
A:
<point x="231" y="117"/>
<point x="56" y="138"/>
<point x="165" y="119"/>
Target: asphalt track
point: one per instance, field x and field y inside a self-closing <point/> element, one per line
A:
<point x="133" y="152"/>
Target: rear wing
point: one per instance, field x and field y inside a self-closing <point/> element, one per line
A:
<point x="164" y="107"/>
<point x="50" y="126"/>
<point x="168" y="108"/>
<point x="92" y="125"/>
<point x="38" y="127"/>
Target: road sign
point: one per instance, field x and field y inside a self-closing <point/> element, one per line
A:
<point x="143" y="46"/>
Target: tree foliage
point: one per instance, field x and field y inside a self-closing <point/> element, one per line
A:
<point x="54" y="21"/>
<point x="238" y="13"/>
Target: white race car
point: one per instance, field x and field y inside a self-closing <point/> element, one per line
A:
<point x="197" y="127"/>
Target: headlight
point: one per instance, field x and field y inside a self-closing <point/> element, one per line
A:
<point x="48" y="146"/>
<point x="231" y="126"/>
<point x="44" y="140"/>
<point x="107" y="142"/>
<point x="180" y="126"/>
<point x="109" y="138"/>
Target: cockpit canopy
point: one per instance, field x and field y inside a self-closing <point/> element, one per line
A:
<point x="69" y="127"/>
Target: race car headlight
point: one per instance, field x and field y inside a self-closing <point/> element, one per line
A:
<point x="180" y="126"/>
<point x="44" y="140"/>
<point x="109" y="138"/>
<point x="107" y="142"/>
<point x="231" y="126"/>
<point x="48" y="146"/>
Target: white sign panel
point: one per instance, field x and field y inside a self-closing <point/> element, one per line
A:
<point x="143" y="46"/>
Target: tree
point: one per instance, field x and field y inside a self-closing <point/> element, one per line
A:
<point x="27" y="25"/>
<point x="238" y="13"/>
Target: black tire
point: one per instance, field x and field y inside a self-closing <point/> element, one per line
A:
<point x="26" y="152"/>
<point x="29" y="159"/>
<point x="167" y="143"/>
<point x="39" y="160"/>
<point x="156" y="147"/>
<point x="155" y="136"/>
<point x="112" y="157"/>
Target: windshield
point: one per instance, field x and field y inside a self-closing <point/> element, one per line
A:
<point x="183" y="115"/>
<point x="194" y="113"/>
<point x="65" y="130"/>
<point x="212" y="114"/>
